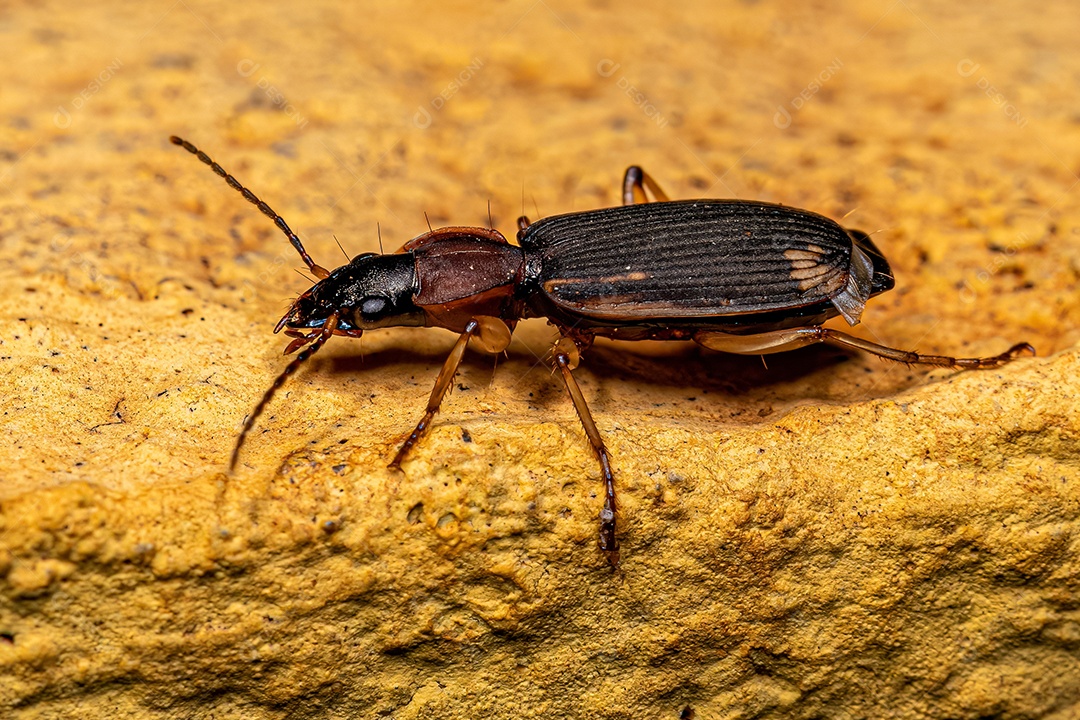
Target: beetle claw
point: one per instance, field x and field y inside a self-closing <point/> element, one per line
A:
<point x="1019" y="349"/>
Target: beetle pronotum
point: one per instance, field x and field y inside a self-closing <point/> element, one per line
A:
<point x="735" y="276"/>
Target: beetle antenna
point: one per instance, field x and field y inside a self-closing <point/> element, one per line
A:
<point x="378" y="230"/>
<point x="342" y="249"/>
<point x="316" y="342"/>
<point x="317" y="270"/>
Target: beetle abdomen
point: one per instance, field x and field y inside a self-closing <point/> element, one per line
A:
<point x="696" y="258"/>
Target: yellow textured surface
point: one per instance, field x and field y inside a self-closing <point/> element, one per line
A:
<point x="827" y="536"/>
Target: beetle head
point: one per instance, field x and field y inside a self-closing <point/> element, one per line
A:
<point x="372" y="291"/>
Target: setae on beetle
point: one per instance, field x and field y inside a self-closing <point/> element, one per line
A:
<point x="731" y="275"/>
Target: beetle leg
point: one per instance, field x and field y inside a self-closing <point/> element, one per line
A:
<point x="442" y="383"/>
<point x="633" y="187"/>
<point x="905" y="356"/>
<point x="608" y="543"/>
<point x="759" y="343"/>
<point x="792" y="338"/>
<point x="523" y="225"/>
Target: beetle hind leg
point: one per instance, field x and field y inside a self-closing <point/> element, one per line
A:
<point x="792" y="338"/>
<point x="565" y="360"/>
<point x="906" y="356"/>
<point x="634" y="184"/>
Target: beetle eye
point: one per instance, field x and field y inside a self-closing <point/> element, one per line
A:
<point x="374" y="306"/>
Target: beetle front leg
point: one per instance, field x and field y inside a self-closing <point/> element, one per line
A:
<point x="565" y="361"/>
<point x="492" y="335"/>
<point x="442" y="384"/>
<point x="633" y="187"/>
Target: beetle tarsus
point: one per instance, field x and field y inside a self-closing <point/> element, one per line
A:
<point x="414" y="437"/>
<point x="609" y="544"/>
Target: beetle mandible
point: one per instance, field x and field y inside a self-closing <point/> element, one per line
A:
<point x="736" y="276"/>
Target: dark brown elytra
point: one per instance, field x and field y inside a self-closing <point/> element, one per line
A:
<point x="735" y="276"/>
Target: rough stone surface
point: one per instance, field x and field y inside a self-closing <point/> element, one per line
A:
<point x="821" y="535"/>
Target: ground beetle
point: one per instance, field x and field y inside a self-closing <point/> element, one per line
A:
<point x="731" y="275"/>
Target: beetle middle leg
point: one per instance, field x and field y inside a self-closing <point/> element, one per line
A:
<point x="566" y="356"/>
<point x="633" y="187"/>
<point x="493" y="335"/>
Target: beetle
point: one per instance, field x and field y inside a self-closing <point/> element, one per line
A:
<point x="731" y="275"/>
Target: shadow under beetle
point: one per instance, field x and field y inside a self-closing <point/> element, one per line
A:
<point x="736" y="276"/>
